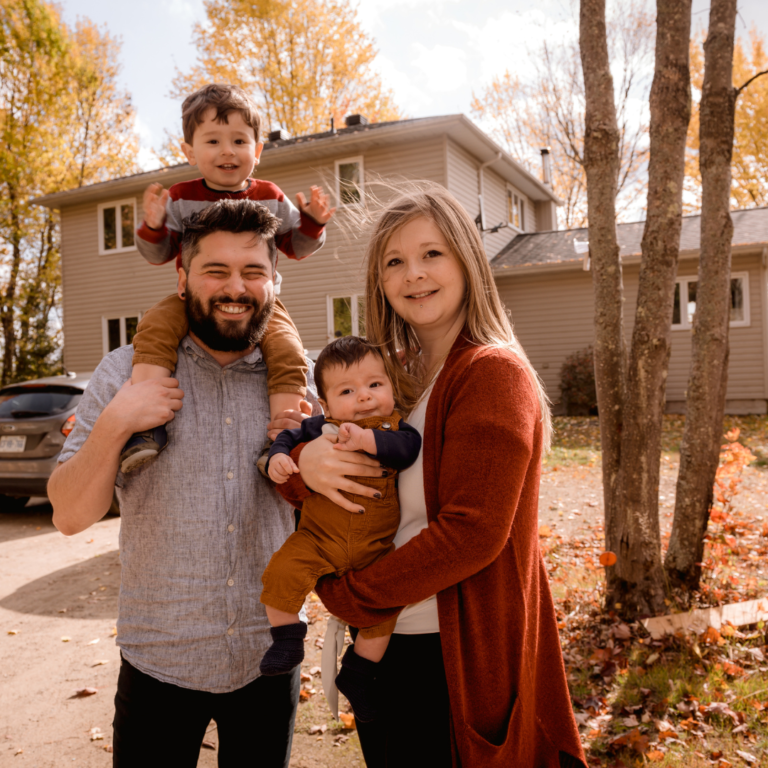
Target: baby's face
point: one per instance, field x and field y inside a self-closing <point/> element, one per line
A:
<point x="358" y="391"/>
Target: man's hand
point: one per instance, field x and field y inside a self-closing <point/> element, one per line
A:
<point x="354" y="438"/>
<point x="319" y="206"/>
<point x="288" y="420"/>
<point x="137" y="407"/>
<point x="281" y="467"/>
<point x="155" y="200"/>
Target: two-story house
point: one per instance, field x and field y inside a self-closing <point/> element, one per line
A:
<point x="541" y="277"/>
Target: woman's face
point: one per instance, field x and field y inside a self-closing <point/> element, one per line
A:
<point x="421" y="276"/>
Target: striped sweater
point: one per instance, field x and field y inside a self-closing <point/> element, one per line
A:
<point x="298" y="236"/>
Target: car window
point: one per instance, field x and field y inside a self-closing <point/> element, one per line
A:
<point x="25" y="401"/>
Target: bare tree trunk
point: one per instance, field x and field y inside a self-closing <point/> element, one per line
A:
<point x="638" y="584"/>
<point x="601" y="163"/>
<point x="9" y="296"/>
<point x="709" y="366"/>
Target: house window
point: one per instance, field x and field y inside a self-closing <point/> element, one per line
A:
<point x="346" y="316"/>
<point x="350" y="181"/>
<point x="119" y="331"/>
<point x="117" y="225"/>
<point x="515" y="210"/>
<point x="684" y="307"/>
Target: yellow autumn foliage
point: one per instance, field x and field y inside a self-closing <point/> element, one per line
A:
<point x="302" y="61"/>
<point x="749" y="187"/>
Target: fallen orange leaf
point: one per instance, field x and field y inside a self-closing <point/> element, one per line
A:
<point x="347" y="720"/>
<point x="545" y="531"/>
<point x="608" y="559"/>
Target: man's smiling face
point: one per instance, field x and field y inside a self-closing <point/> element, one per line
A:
<point x="229" y="291"/>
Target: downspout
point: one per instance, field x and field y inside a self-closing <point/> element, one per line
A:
<point x="480" y="189"/>
<point x="764" y="312"/>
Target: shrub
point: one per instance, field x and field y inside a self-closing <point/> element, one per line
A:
<point x="577" y="384"/>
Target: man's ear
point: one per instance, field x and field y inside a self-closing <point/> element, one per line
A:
<point x="181" y="286"/>
<point x="189" y="153"/>
<point x="257" y="153"/>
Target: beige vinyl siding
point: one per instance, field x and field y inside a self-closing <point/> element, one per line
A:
<point x="553" y="317"/>
<point x="337" y="269"/>
<point x="94" y="286"/>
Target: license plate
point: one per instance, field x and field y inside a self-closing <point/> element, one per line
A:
<point x="12" y="443"/>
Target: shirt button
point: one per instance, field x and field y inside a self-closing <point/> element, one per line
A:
<point x="228" y="420"/>
<point x="230" y="475"/>
<point x="231" y="583"/>
<point x="230" y="528"/>
<point x="230" y="631"/>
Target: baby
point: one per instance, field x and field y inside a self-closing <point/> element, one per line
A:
<point x="222" y="137"/>
<point x="358" y="400"/>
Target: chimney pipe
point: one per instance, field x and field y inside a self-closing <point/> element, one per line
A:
<point x="546" y="167"/>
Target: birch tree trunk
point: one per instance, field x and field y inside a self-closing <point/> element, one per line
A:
<point x="638" y="585"/>
<point x="709" y="365"/>
<point x="601" y="163"/>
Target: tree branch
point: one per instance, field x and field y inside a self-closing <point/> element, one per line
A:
<point x="751" y="80"/>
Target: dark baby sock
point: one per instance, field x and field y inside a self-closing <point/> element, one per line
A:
<point x="357" y="681"/>
<point x="286" y="651"/>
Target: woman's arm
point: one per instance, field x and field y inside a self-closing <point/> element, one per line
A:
<point x="327" y="472"/>
<point x="489" y="440"/>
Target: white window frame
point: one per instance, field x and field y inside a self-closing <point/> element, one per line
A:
<point x="354" y="306"/>
<point x="119" y="230"/>
<point x="521" y="202"/>
<point x="123" y="336"/>
<point x="345" y="161"/>
<point x="684" y="325"/>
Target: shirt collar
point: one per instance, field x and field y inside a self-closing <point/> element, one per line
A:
<point x="249" y="362"/>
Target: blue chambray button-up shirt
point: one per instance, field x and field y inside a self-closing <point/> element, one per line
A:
<point x="198" y="524"/>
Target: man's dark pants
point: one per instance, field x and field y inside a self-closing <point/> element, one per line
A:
<point x="160" y="724"/>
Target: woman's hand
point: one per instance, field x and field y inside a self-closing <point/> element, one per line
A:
<point x="326" y="471"/>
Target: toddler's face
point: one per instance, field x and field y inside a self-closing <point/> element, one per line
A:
<point x="359" y="391"/>
<point x="225" y="153"/>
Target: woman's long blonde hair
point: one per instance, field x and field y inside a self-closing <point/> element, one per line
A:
<point x="487" y="321"/>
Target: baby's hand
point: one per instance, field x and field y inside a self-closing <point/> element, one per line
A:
<point x="155" y="200"/>
<point x="354" y="438"/>
<point x="318" y="207"/>
<point x="281" y="467"/>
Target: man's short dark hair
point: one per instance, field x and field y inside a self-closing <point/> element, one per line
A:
<point x="224" y="99"/>
<point x="229" y="216"/>
<point x="342" y="352"/>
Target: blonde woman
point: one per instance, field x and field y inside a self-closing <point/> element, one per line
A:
<point x="474" y="674"/>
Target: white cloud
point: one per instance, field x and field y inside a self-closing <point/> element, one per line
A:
<point x="186" y="10"/>
<point x="146" y="159"/>
<point x="443" y="67"/>
<point x="370" y="12"/>
<point x="408" y="95"/>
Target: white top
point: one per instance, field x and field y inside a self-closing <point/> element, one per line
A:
<point x="419" y="618"/>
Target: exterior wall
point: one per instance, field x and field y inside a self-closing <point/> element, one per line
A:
<point x="553" y="317"/>
<point x="462" y="173"/>
<point x="95" y="286"/>
<point x="337" y="269"/>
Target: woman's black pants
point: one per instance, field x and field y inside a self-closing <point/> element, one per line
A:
<point x="414" y="727"/>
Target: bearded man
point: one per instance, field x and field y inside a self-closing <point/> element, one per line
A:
<point x="199" y="523"/>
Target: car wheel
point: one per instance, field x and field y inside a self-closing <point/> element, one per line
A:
<point x="11" y="504"/>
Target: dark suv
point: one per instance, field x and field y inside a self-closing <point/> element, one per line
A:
<point x="35" y="419"/>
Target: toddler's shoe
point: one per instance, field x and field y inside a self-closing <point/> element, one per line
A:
<point x="357" y="681"/>
<point x="286" y="651"/>
<point x="143" y="447"/>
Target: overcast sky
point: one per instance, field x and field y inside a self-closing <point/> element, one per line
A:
<point x="432" y="53"/>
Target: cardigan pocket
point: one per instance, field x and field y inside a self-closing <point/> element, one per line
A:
<point x="492" y="754"/>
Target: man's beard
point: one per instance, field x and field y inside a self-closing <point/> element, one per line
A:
<point x="224" y="336"/>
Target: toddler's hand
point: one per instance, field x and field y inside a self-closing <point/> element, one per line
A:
<point x="155" y="200"/>
<point x="281" y="467"/>
<point x="354" y="438"/>
<point x="318" y="207"/>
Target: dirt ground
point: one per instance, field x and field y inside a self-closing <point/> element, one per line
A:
<point x="58" y="607"/>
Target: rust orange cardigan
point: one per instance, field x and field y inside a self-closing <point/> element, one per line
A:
<point x="510" y="706"/>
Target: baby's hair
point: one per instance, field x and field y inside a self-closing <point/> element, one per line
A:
<point x="342" y="352"/>
<point x="224" y="99"/>
<point x="229" y="216"/>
